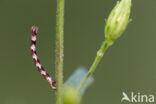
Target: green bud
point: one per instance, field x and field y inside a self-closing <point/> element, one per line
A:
<point x="118" y="20"/>
<point x="71" y="95"/>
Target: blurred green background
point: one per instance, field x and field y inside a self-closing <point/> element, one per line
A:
<point x="129" y="65"/>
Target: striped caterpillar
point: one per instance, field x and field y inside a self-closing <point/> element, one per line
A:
<point x="40" y="68"/>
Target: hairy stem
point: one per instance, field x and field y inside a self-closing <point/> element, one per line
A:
<point x="59" y="50"/>
<point x="99" y="56"/>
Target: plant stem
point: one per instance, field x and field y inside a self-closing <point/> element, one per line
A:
<point x="59" y="50"/>
<point x="99" y="56"/>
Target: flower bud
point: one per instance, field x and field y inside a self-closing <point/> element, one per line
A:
<point x="118" y="20"/>
<point x="71" y="95"/>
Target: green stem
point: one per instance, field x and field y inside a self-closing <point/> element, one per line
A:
<point x="59" y="51"/>
<point x="99" y="56"/>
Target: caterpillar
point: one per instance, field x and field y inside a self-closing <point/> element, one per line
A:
<point x="40" y="68"/>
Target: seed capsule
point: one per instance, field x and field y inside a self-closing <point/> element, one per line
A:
<point x="118" y="20"/>
<point x="71" y="95"/>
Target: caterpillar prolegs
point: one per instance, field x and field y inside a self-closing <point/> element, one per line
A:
<point x="40" y="68"/>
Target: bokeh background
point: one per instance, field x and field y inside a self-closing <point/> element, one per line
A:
<point x="129" y="65"/>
